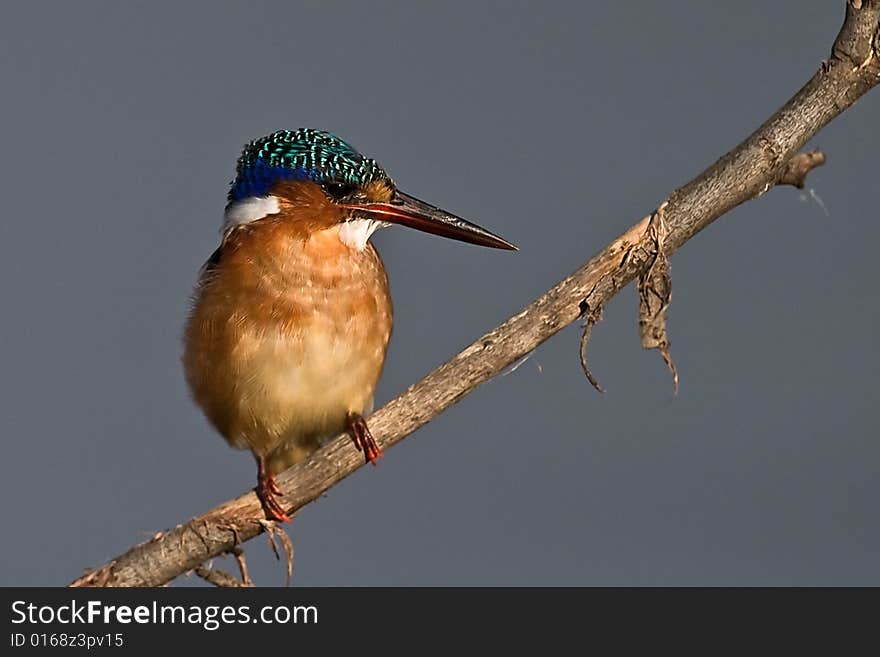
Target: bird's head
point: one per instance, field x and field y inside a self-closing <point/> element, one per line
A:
<point x="318" y="174"/>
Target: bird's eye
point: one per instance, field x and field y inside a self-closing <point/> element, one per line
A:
<point x="338" y="190"/>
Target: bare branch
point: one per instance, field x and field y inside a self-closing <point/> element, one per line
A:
<point x="749" y="170"/>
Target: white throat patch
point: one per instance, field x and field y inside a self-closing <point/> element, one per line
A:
<point x="356" y="232"/>
<point x="249" y="209"/>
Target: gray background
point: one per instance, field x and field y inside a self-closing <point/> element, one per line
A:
<point x="555" y="125"/>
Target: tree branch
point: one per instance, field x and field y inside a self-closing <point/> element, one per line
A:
<point x="768" y="157"/>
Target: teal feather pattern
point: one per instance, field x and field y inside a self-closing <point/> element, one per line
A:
<point x="304" y="154"/>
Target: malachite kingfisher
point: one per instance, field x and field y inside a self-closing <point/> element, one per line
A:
<point x="291" y="314"/>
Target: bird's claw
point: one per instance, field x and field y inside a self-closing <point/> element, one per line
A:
<point x="267" y="490"/>
<point x="363" y="439"/>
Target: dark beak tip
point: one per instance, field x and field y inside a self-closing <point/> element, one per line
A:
<point x="498" y="242"/>
<point x="505" y="246"/>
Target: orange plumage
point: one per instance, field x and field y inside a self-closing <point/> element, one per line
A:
<point x="291" y="316"/>
<point x="288" y="330"/>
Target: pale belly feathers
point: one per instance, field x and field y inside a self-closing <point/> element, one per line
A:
<point x="282" y="345"/>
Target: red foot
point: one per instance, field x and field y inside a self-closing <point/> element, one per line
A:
<point x="363" y="439"/>
<point x="267" y="490"/>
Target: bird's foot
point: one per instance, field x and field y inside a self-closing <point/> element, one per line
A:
<point x="269" y="492"/>
<point x="363" y="439"/>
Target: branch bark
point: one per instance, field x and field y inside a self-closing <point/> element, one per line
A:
<point x="768" y="157"/>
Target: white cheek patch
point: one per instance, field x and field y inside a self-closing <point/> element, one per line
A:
<point x="249" y="209"/>
<point x="356" y="232"/>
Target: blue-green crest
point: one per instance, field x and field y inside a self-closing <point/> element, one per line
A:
<point x="303" y="154"/>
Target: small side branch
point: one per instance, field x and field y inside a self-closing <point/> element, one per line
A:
<point x="219" y="577"/>
<point x="275" y="531"/>
<point x="795" y="172"/>
<point x="591" y="316"/>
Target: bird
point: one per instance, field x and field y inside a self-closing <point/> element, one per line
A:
<point x="291" y="315"/>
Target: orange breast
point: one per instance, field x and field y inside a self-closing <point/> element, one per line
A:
<point x="287" y="335"/>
